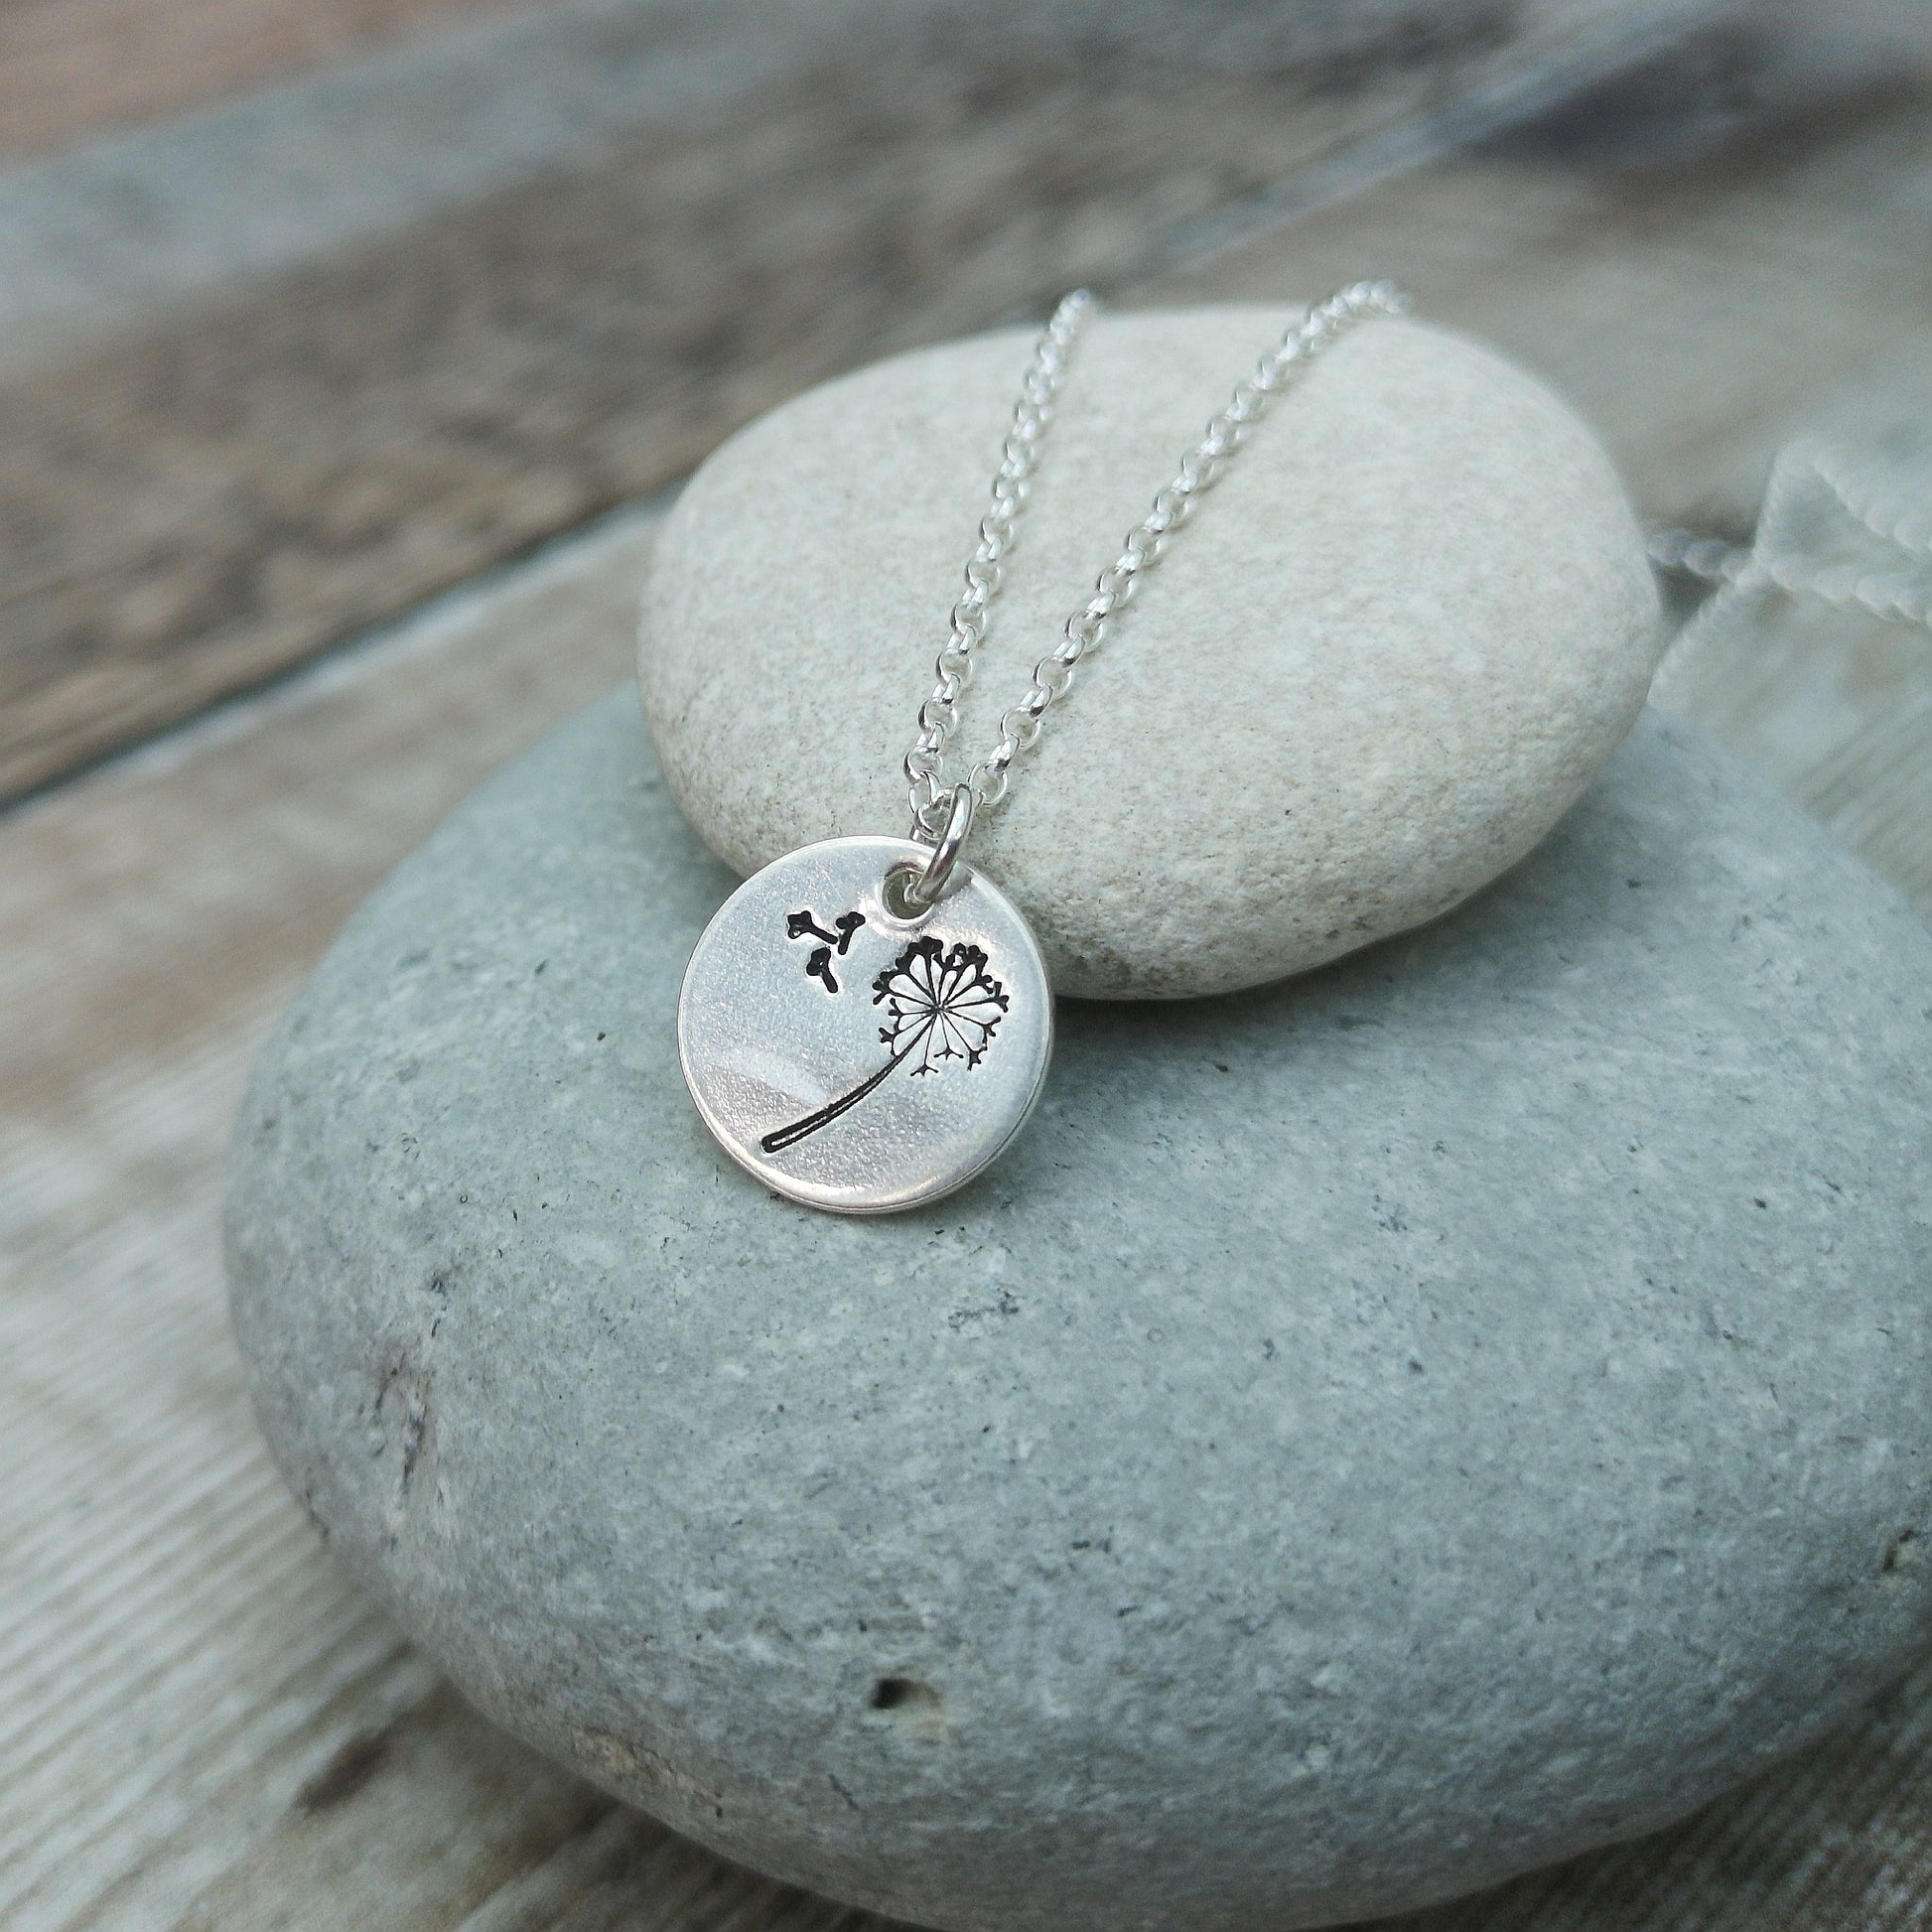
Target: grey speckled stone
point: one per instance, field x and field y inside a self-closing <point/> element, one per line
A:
<point x="1372" y="1436"/>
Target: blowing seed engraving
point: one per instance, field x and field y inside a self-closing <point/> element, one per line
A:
<point x="940" y="1005"/>
<point x="802" y="925"/>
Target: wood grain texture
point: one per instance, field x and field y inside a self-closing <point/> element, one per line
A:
<point x="202" y="1723"/>
<point x="1634" y="244"/>
<point x="183" y="1676"/>
<point x="69" y="69"/>
<point x="221" y="488"/>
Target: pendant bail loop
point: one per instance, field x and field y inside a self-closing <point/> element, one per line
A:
<point x="926" y="891"/>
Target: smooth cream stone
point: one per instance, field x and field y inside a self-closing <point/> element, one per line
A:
<point x="1401" y="637"/>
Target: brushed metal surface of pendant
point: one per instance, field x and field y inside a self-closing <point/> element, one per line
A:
<point x="857" y="1059"/>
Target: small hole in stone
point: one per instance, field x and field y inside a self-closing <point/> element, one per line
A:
<point x="904" y="1693"/>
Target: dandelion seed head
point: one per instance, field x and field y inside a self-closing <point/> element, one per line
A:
<point x="940" y="1002"/>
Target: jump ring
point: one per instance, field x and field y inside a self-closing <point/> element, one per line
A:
<point x="926" y="891"/>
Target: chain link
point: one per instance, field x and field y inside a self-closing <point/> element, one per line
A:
<point x="931" y="797"/>
<point x="1903" y="595"/>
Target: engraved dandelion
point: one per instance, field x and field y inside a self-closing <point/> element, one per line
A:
<point x="940" y="1005"/>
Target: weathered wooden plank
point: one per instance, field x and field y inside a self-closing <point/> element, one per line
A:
<point x="109" y="236"/>
<point x="69" y="69"/>
<point x="223" y="485"/>
<point x="178" y="1661"/>
<point x="1633" y="245"/>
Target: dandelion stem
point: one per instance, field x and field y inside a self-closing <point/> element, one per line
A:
<point x="783" y="1136"/>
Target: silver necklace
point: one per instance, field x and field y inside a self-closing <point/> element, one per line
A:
<point x="866" y="1023"/>
<point x="1792" y="553"/>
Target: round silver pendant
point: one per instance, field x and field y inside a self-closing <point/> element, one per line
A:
<point x="853" y="1057"/>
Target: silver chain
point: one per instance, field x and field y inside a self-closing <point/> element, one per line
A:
<point x="1900" y="594"/>
<point x="942" y="812"/>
